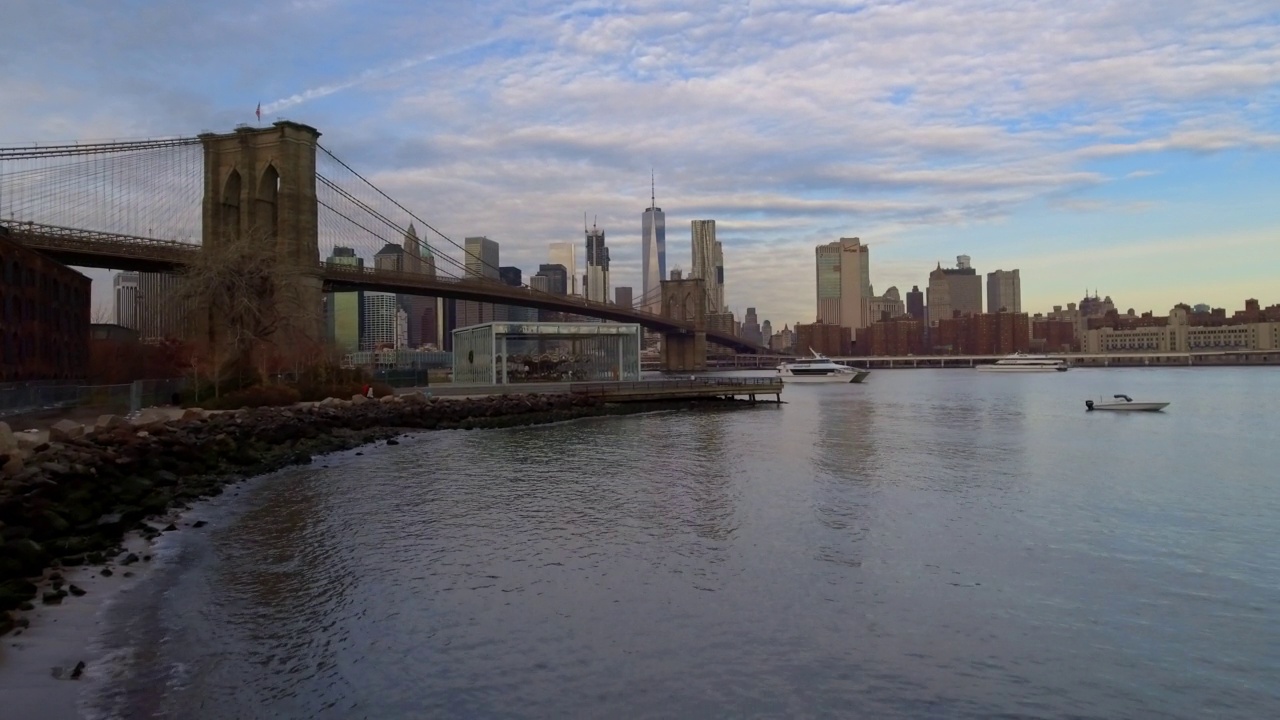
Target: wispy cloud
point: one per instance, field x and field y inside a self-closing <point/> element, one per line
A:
<point x="363" y="78"/>
<point x="993" y="127"/>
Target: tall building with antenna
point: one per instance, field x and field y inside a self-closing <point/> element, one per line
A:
<point x="653" y="260"/>
<point x="596" y="286"/>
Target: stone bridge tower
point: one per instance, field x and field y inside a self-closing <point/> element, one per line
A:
<point x="685" y="300"/>
<point x="260" y="186"/>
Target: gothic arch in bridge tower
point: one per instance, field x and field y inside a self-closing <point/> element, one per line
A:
<point x="266" y="203"/>
<point x="229" y="207"/>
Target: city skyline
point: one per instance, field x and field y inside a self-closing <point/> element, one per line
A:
<point x="1093" y="156"/>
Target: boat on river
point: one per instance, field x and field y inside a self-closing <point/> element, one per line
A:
<point x="1022" y="362"/>
<point x="1124" y="403"/>
<point x="820" y="369"/>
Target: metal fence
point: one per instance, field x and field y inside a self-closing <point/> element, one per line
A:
<point x="39" y="397"/>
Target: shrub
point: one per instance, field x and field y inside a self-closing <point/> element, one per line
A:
<point x="344" y="392"/>
<point x="255" y="397"/>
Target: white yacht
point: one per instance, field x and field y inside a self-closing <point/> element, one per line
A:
<point x="1125" y="403"/>
<point x="820" y="369"/>
<point x="1022" y="362"/>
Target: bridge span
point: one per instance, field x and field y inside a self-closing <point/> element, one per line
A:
<point x="84" y="248"/>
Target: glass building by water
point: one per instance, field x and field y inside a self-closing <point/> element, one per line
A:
<point x="486" y="354"/>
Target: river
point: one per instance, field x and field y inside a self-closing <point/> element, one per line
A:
<point x="933" y="543"/>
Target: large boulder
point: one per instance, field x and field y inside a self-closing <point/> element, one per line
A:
<point x="8" y="443"/>
<point x="359" y="399"/>
<point x="11" y="465"/>
<point x="150" y="417"/>
<point x="109" y="422"/>
<point x="65" y="430"/>
<point x="29" y="441"/>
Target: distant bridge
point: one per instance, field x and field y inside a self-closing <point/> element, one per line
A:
<point x="83" y="248"/>
<point x="149" y="205"/>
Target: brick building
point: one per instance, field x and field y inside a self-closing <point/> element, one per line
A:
<point x="898" y="337"/>
<point x="826" y="338"/>
<point x="982" y="334"/>
<point x="1053" y="336"/>
<point x="44" y="317"/>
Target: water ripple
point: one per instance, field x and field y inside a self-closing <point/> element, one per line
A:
<point x="932" y="544"/>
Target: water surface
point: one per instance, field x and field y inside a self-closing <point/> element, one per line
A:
<point x="934" y="543"/>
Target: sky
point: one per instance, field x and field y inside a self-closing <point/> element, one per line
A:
<point x="1132" y="147"/>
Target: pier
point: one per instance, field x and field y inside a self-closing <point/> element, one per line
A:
<point x="673" y="389"/>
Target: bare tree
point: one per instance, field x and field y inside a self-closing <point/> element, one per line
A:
<point x="249" y="306"/>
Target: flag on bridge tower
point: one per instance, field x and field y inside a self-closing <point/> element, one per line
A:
<point x="258" y="112"/>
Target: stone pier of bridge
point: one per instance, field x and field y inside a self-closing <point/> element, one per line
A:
<point x="260" y="186"/>
<point x="686" y="350"/>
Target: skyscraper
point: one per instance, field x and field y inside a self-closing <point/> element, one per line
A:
<point x="844" y="284"/>
<point x="421" y="310"/>
<point x="653" y="259"/>
<point x="597" y="281"/>
<point x="381" y="320"/>
<point x="915" y="303"/>
<point x="751" y="327"/>
<point x="1004" y="291"/>
<point x="125" y="285"/>
<point x="344" y="315"/>
<point x="953" y="290"/>
<point x="622" y="297"/>
<point x="514" y="313"/>
<point x="160" y="314"/>
<point x="708" y="263"/>
<point x="566" y="255"/>
<point x="556" y="281"/>
<point x="481" y="262"/>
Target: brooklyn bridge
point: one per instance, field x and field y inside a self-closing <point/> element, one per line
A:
<point x="152" y="205"/>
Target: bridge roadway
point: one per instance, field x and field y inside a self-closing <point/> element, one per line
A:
<point x="85" y="248"/>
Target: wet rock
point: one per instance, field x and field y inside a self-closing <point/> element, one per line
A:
<point x="65" y="430"/>
<point x="169" y="528"/>
<point x="107" y="572"/>
<point x="53" y="597"/>
<point x="129" y="559"/>
<point x="76" y="590"/>
<point x="12" y="465"/>
<point x="77" y="671"/>
<point x="8" y="443"/>
<point x="199" y="524"/>
<point x="109" y="422"/>
<point x="15" y="593"/>
<point x="393" y="441"/>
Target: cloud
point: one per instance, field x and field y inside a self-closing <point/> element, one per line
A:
<point x="915" y="125"/>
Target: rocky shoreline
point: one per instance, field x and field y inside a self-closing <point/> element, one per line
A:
<point x="70" y="499"/>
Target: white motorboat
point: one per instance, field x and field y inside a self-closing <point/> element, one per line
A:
<point x="820" y="369"/>
<point x="1125" y="403"/>
<point x="1022" y="362"/>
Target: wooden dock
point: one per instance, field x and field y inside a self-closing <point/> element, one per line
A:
<point x="699" y="388"/>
